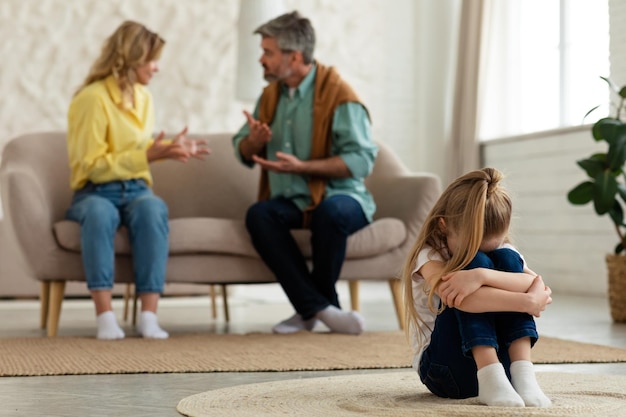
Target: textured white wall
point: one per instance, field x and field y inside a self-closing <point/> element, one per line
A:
<point x="48" y="45"/>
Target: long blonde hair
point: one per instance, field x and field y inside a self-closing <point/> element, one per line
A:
<point x="474" y="206"/>
<point x="130" y="46"/>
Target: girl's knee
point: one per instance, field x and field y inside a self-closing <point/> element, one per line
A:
<point x="506" y="259"/>
<point x="481" y="260"/>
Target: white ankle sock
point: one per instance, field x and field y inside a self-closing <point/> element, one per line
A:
<point x="494" y="388"/>
<point x="149" y="326"/>
<point x="339" y="321"/>
<point x="294" y="324"/>
<point x="108" y="329"/>
<point x="525" y="383"/>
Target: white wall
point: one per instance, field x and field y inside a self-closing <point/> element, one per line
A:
<point x="564" y="243"/>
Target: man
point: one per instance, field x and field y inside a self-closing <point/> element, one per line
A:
<point x="311" y="136"/>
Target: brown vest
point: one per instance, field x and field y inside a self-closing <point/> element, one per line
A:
<point x="330" y="92"/>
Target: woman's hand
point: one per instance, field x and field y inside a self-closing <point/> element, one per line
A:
<point x="180" y="148"/>
<point x="455" y="286"/>
<point x="195" y="148"/>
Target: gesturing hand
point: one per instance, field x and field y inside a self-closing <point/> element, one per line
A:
<point x="179" y="149"/>
<point x="285" y="163"/>
<point x="260" y="133"/>
<point x="195" y="148"/>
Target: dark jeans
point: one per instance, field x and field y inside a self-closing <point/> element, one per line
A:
<point x="269" y="223"/>
<point x="447" y="367"/>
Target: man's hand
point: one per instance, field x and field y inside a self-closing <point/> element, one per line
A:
<point x="285" y="163"/>
<point x="540" y="297"/>
<point x="260" y="134"/>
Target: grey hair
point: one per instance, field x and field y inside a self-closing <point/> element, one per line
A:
<point x="292" y="32"/>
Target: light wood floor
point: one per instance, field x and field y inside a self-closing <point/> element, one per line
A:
<point x="252" y="308"/>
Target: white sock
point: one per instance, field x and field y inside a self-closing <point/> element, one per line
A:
<point x="108" y="329"/>
<point x="525" y="383"/>
<point x="294" y="324"/>
<point x="494" y="388"/>
<point x="149" y="326"/>
<point x="339" y="321"/>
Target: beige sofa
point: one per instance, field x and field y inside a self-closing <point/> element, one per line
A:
<point x="207" y="201"/>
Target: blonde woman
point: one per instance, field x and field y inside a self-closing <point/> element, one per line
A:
<point x="471" y="298"/>
<point x="110" y="146"/>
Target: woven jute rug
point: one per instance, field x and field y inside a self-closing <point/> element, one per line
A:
<point x="401" y="394"/>
<point x="304" y="351"/>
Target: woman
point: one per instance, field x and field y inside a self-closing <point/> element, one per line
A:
<point x="110" y="125"/>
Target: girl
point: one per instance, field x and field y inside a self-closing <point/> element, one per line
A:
<point x="470" y="298"/>
<point x="110" y="124"/>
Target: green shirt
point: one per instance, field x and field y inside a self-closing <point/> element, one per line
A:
<point x="292" y="128"/>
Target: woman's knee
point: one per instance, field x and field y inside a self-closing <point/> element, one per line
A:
<point x="148" y="208"/>
<point x="95" y="211"/>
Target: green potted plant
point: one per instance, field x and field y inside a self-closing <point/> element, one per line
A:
<point x="606" y="188"/>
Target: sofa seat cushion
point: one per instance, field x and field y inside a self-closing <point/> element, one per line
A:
<point x="201" y="235"/>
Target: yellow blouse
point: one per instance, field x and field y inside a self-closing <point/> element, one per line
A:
<point x="106" y="141"/>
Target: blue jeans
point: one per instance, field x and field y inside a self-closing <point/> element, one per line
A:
<point x="101" y="209"/>
<point x="269" y="223"/>
<point x="447" y="367"/>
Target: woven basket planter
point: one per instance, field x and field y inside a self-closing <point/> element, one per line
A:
<point x="616" y="266"/>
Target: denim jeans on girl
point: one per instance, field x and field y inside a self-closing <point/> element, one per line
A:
<point x="447" y="367"/>
<point x="269" y="223"/>
<point x="101" y="209"/>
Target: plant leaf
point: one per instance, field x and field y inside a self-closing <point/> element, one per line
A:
<point x="606" y="129"/>
<point x="616" y="155"/>
<point x="619" y="248"/>
<point x="617" y="214"/>
<point x="594" y="165"/>
<point x="604" y="192"/>
<point x="611" y="84"/>
<point x="581" y="194"/>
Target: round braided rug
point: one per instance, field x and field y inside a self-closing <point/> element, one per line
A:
<point x="400" y="394"/>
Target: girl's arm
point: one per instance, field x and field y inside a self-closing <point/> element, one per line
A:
<point x="458" y="285"/>
<point x="477" y="297"/>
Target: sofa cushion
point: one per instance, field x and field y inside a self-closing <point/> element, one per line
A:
<point x="194" y="235"/>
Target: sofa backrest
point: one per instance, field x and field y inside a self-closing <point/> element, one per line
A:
<point x="219" y="186"/>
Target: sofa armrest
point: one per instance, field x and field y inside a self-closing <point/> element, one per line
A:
<point x="408" y="198"/>
<point x="28" y="215"/>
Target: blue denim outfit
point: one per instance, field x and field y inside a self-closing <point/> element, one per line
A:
<point x="269" y="223"/>
<point x="101" y="209"/>
<point x="447" y="367"/>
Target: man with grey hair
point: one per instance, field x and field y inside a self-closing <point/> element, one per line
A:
<point x="311" y="136"/>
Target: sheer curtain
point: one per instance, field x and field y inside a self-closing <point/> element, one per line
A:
<point x="463" y="152"/>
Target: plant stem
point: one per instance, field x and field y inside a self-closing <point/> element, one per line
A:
<point x="621" y="237"/>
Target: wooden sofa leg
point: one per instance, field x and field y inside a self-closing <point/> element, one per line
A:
<point x="212" y="294"/>
<point x="225" y="298"/>
<point x="355" y="303"/>
<point x="44" y="303"/>
<point x="57" y="291"/>
<point x="127" y="295"/>
<point x="134" y="306"/>
<point x="396" y="293"/>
